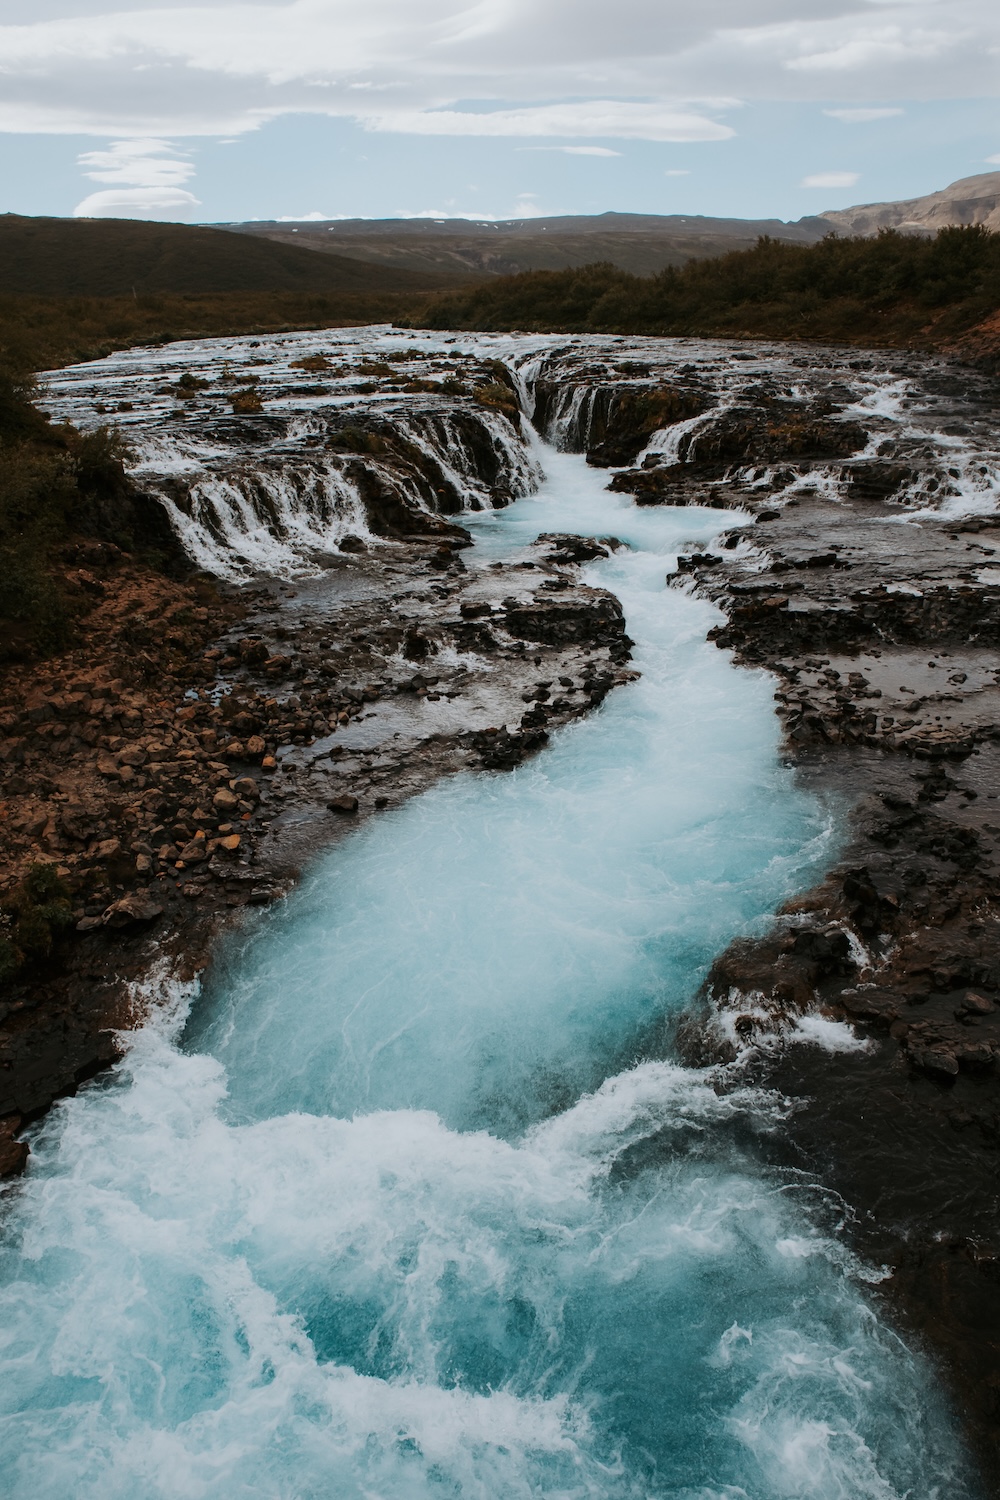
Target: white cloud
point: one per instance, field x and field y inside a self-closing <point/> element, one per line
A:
<point x="137" y="203"/>
<point x="573" y="150"/>
<point x="142" y="163"/>
<point x="222" y="67"/>
<point x="830" y="180"/>
<point x="678" y="172"/>
<point x="862" y="116"/>
<point x="878" y="47"/>
<point x="148" y="175"/>
<point x="602" y="117"/>
<point x="994" y="160"/>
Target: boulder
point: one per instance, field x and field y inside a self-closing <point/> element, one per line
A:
<point x="132" y="911"/>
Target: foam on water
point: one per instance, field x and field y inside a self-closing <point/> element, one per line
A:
<point x="419" y="1205"/>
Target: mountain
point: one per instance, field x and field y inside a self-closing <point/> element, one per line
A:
<point x="971" y="200"/>
<point x="115" y="257"/>
<point x="640" y="243"/>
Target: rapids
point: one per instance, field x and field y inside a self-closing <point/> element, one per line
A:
<point x="413" y="1200"/>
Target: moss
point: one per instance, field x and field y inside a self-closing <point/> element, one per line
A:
<point x="36" y="915"/>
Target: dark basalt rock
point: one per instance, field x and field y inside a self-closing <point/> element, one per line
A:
<point x="596" y="617"/>
<point x="873" y="479"/>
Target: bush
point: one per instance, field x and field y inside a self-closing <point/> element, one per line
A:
<point x="36" y="916"/>
<point x="890" y="289"/>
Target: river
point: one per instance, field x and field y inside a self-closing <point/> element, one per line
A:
<point x="413" y="1199"/>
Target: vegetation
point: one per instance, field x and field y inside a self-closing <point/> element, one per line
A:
<point x="893" y="289"/>
<point x="32" y="920"/>
<point x="57" y="484"/>
<point x="127" y="257"/>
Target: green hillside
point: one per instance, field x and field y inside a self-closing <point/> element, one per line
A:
<point x="122" y="257"/>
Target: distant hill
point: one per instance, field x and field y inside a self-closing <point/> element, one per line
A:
<point x="640" y="243"/>
<point x="971" y="200"/>
<point x="116" y="257"/>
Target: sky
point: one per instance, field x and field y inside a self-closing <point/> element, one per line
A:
<point x="209" y="111"/>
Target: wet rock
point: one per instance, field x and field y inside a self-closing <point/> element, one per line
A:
<point x="346" y="804"/>
<point x="132" y="911"/>
<point x="13" y="1153"/>
<point x="937" y="1062"/>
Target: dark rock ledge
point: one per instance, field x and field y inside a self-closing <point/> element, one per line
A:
<point x="199" y="745"/>
<point x="881" y="629"/>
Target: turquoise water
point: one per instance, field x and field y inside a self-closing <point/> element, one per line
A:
<point x="416" y="1202"/>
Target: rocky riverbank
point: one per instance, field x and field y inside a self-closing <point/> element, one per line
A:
<point x="877" y="608"/>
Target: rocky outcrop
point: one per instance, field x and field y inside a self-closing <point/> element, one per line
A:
<point x="612" y="423"/>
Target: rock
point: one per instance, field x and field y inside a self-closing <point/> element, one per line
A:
<point x="132" y="911"/>
<point x="976" y="1056"/>
<point x="13" y="1153"/>
<point x="977" y="1005"/>
<point x="107" y="849"/>
<point x="345" y="804"/>
<point x="938" y="1062"/>
<point x="247" y="788"/>
<point x="107" y="766"/>
<point x="133" y="757"/>
<point x="88" y="924"/>
<point x="269" y="763"/>
<point x="194" y="852"/>
<point x="255" y="747"/>
<point x="230" y="844"/>
<point x="225" y="801"/>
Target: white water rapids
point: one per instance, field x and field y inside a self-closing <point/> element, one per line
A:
<point x="416" y="1203"/>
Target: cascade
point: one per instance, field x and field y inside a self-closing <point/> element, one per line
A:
<point x="414" y="1199"/>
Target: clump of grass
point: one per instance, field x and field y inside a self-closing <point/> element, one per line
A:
<point x="33" y="919"/>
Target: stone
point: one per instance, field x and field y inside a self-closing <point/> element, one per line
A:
<point x="938" y="1062"/>
<point x="132" y="911"/>
<point x="225" y="801"/>
<point x="976" y="1056"/>
<point x="194" y="852"/>
<point x="345" y="804"/>
<point x="107" y="766"/>
<point x="255" y="746"/>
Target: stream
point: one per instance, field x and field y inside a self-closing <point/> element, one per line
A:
<point x="412" y="1198"/>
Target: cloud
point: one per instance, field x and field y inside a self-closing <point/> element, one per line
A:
<point x="142" y="163"/>
<point x="830" y="180"/>
<point x="223" y="67"/>
<point x="137" y="203"/>
<point x="148" y="175"/>
<point x="994" y="160"/>
<point x="601" y="117"/>
<point x="876" y="47"/>
<point x="863" y="115"/>
<point x="678" y="172"/>
<point x="573" y="150"/>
